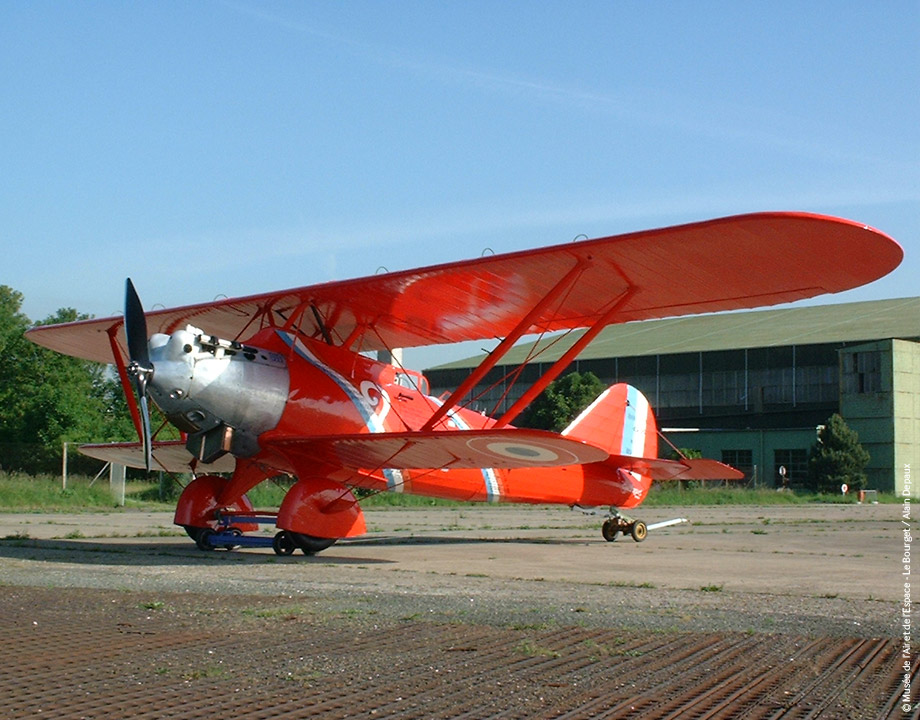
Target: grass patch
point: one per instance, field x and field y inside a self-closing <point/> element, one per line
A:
<point x="45" y="493"/>
<point x="20" y="492"/>
<point x="532" y="649"/>
<point x="204" y="673"/>
<point x="289" y="612"/>
<point x="672" y="494"/>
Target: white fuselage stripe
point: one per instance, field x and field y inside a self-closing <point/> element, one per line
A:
<point x="372" y="421"/>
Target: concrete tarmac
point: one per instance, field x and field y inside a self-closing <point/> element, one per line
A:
<point x="805" y="551"/>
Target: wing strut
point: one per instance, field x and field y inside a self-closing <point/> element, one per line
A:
<point x="563" y="362"/>
<point x="322" y="326"/>
<point x="125" y="382"/>
<point x="498" y="353"/>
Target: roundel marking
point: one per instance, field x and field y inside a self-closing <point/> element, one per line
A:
<point x="523" y="451"/>
<point x="519" y="450"/>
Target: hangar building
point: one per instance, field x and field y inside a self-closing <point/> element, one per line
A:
<point x="751" y="388"/>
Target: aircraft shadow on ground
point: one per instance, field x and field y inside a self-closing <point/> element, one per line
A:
<point x="88" y="552"/>
<point x="152" y="553"/>
<point x="443" y="540"/>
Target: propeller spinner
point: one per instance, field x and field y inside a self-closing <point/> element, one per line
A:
<point x="139" y="368"/>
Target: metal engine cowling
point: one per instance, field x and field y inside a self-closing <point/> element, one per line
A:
<point x="222" y="393"/>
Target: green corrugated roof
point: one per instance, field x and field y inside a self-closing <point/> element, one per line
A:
<point x="845" y="322"/>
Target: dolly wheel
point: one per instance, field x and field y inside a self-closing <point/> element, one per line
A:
<point x="639" y="531"/>
<point x="203" y="540"/>
<point x="283" y="544"/>
<point x="236" y="532"/>
<point x="610" y="530"/>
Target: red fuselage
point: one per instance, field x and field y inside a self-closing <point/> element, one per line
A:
<point x="334" y="391"/>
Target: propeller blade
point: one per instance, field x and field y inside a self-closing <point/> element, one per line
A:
<point x="135" y="326"/>
<point x="140" y="368"/>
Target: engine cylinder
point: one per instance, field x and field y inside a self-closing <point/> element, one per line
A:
<point x="202" y="383"/>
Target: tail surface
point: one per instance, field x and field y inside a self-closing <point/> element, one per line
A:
<point x="620" y="421"/>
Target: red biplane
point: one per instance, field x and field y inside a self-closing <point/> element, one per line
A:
<point x="282" y="383"/>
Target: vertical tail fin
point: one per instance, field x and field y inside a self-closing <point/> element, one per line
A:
<point x="620" y="421"/>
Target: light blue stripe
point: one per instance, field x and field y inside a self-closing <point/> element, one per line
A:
<point x="489" y="476"/>
<point x="629" y="421"/>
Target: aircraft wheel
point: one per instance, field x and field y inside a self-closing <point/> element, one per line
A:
<point x="203" y="540"/>
<point x="610" y="530"/>
<point x="639" y="531"/>
<point x="283" y="544"/>
<point x="192" y="531"/>
<point x="236" y="532"/>
<point x="310" y="544"/>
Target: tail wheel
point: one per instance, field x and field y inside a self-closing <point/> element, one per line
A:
<point x="639" y="531"/>
<point x="610" y="530"/>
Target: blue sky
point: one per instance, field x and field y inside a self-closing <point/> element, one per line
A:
<point x="227" y="147"/>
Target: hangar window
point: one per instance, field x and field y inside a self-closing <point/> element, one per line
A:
<point x="862" y="372"/>
<point x="741" y="459"/>
<point x="816" y="383"/>
<point x="795" y="461"/>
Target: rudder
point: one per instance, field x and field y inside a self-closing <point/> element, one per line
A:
<point x="620" y="421"/>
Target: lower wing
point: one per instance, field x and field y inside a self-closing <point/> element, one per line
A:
<point x="517" y="448"/>
<point x="513" y="448"/>
<point x="167" y="456"/>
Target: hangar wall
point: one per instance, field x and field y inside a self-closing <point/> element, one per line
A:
<point x="880" y="399"/>
<point x="906" y="412"/>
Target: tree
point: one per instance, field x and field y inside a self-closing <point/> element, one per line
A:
<point x="47" y="398"/>
<point x="562" y="401"/>
<point x="837" y="458"/>
<point x="13" y="351"/>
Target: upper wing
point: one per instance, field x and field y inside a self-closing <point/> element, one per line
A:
<point x="726" y="264"/>
<point x="513" y="448"/>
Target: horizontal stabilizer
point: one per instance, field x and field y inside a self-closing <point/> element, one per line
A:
<point x="683" y="469"/>
<point x="513" y="448"/>
<point x="167" y="456"/>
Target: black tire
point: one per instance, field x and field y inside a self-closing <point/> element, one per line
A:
<point x="283" y="544"/>
<point x="236" y="532"/>
<point x="639" y="531"/>
<point x="203" y="541"/>
<point x="610" y="530"/>
<point x="310" y="544"/>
